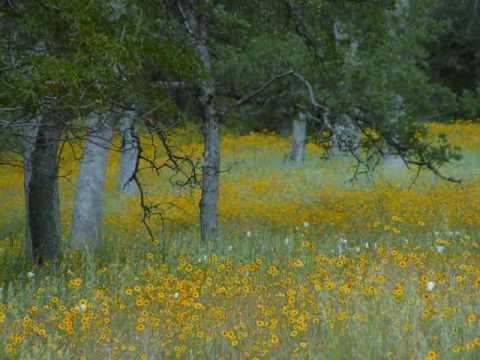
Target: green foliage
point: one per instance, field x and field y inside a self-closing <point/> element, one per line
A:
<point x="88" y="56"/>
<point x="454" y="60"/>
<point x="470" y="103"/>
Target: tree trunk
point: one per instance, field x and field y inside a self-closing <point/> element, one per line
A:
<point x="43" y="198"/>
<point x="197" y="25"/>
<point x="87" y="212"/>
<point x="346" y="137"/>
<point x="392" y="161"/>
<point x="29" y="136"/>
<point x="129" y="154"/>
<point x="299" y="137"/>
<point x="211" y="178"/>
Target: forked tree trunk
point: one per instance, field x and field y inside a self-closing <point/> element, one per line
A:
<point x="43" y="197"/>
<point x="29" y="138"/>
<point x="129" y="154"/>
<point x="87" y="212"/>
<point x="299" y="137"/>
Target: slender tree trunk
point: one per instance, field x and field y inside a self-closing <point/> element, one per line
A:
<point x="30" y="135"/>
<point x="87" y="212"/>
<point x="211" y="179"/>
<point x="197" y="25"/>
<point x="346" y="137"/>
<point x="299" y="137"/>
<point x="392" y="161"/>
<point x="129" y="154"/>
<point x="43" y="197"/>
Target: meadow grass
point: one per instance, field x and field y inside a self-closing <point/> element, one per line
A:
<point x="308" y="265"/>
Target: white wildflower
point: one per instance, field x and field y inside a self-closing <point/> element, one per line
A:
<point x="30" y="275"/>
<point x="249" y="233"/>
<point x="306" y="224"/>
<point x="430" y="286"/>
<point x="439" y="248"/>
<point x="176" y="295"/>
<point x="342" y="240"/>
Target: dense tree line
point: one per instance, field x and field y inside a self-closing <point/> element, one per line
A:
<point x="334" y="69"/>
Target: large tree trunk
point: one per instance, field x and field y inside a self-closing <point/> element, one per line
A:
<point x="129" y="154"/>
<point x="43" y="197"/>
<point x="87" y="212"/>
<point x="299" y="137"/>
<point x="197" y="25"/>
<point x="29" y="139"/>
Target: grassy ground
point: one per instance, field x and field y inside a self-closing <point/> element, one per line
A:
<point x="309" y="265"/>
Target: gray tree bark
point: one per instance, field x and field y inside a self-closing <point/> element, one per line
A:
<point x="210" y="178"/>
<point x="196" y="26"/>
<point x="392" y="161"/>
<point x="129" y="154"/>
<point x="346" y="136"/>
<point x="299" y="137"/>
<point x="29" y="139"/>
<point x="87" y="212"/>
<point x="43" y="198"/>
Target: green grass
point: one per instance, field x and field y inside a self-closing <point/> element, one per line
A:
<point x="231" y="277"/>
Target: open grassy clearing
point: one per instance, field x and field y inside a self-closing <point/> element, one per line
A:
<point x="309" y="265"/>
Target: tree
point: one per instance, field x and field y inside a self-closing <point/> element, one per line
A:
<point x="30" y="135"/>
<point x="196" y="19"/>
<point x="129" y="154"/>
<point x="234" y="60"/>
<point x="43" y="197"/>
<point x="87" y="211"/>
<point x="300" y="62"/>
<point x="59" y="63"/>
<point x="299" y="138"/>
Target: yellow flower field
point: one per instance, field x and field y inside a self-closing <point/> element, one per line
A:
<point x="309" y="265"/>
